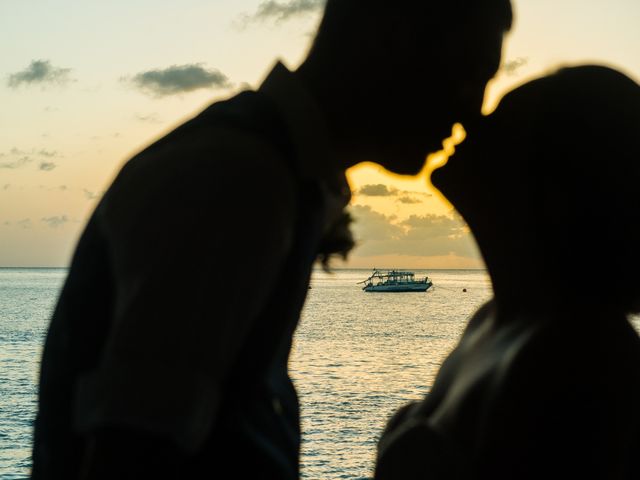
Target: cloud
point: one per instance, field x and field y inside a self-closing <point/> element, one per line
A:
<point x="150" y="118"/>
<point x="438" y="235"/>
<point x="373" y="231"/>
<point x="178" y="79"/>
<point x="381" y="190"/>
<point x="511" y="67"/>
<point x="40" y="72"/>
<point x="24" y="223"/>
<point x="406" y="199"/>
<point x="429" y="235"/>
<point x="17" y="158"/>
<point x="55" y="222"/>
<point x="431" y="225"/>
<point x="89" y="195"/>
<point x="47" y="166"/>
<point x="48" y="153"/>
<point x="16" y="163"/>
<point x="283" y="10"/>
<point x="377" y="190"/>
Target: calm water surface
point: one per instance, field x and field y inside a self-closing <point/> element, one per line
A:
<point x="26" y="299"/>
<point x="357" y="357"/>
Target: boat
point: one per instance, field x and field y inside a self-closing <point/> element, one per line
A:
<point x="395" y="281"/>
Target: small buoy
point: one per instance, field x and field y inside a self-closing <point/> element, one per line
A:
<point x="464" y="289"/>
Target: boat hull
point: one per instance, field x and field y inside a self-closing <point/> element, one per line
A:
<point x="417" y="287"/>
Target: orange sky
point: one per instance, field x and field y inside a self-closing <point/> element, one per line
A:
<point x="74" y="111"/>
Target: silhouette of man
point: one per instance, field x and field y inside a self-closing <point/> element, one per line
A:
<point x="544" y="382"/>
<point x="167" y="353"/>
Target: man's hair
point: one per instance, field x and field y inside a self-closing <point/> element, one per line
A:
<point x="342" y="17"/>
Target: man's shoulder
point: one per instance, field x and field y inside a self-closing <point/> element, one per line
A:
<point x="208" y="162"/>
<point x="227" y="138"/>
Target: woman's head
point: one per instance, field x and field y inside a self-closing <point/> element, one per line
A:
<point x="551" y="180"/>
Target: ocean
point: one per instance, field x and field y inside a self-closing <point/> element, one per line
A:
<point x="357" y="357"/>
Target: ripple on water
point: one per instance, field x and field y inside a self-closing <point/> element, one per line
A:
<point x="357" y="358"/>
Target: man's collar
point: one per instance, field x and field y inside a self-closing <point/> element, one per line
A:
<point x="309" y="134"/>
<point x="305" y="121"/>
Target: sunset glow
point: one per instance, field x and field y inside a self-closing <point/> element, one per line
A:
<point x="85" y="85"/>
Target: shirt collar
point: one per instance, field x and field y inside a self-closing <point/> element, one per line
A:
<point x="307" y="127"/>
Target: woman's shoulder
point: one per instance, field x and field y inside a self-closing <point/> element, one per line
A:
<point x="570" y="343"/>
<point x="567" y="390"/>
<point x="528" y="366"/>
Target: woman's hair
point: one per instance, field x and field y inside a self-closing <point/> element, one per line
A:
<point x="573" y="140"/>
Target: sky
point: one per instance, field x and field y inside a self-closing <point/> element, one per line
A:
<point x="85" y="84"/>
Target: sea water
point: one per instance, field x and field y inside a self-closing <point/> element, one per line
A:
<point x="27" y="297"/>
<point x="357" y="357"/>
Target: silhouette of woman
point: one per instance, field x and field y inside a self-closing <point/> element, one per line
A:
<point x="545" y="381"/>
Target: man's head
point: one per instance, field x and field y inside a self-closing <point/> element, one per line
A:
<point x="395" y="76"/>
